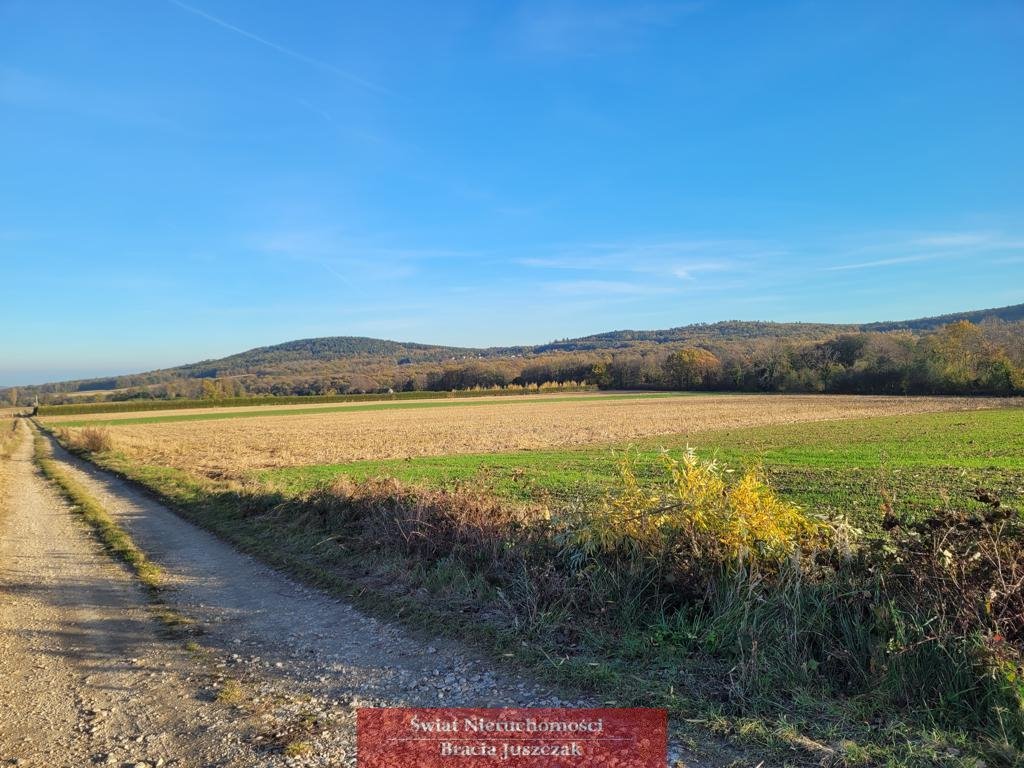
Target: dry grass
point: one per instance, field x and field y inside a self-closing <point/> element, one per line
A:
<point x="233" y="446"/>
<point x="231" y="693"/>
<point x="90" y="440"/>
<point x="92" y="393"/>
<point x="10" y="435"/>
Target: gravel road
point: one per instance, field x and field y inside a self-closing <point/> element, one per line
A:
<point x="85" y="676"/>
<point x="88" y="676"/>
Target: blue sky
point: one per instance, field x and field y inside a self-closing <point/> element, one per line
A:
<point x="185" y="180"/>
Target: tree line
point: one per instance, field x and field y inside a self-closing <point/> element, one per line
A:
<point x="960" y="358"/>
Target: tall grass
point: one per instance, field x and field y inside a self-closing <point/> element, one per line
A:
<point x="90" y="439"/>
<point x="10" y="435"/>
<point x="926" y="619"/>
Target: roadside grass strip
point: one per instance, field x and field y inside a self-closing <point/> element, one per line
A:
<point x="116" y="541"/>
<point x="113" y="537"/>
<point x="10" y="433"/>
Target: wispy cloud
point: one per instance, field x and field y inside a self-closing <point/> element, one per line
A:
<point x="930" y="247"/>
<point x="17" y="235"/>
<point x="677" y="259"/>
<point x="626" y="271"/>
<point x="956" y="239"/>
<point x="605" y="288"/>
<point x="340" y="127"/>
<point x="26" y="90"/>
<point x="349" y="260"/>
<point x="883" y="262"/>
<point x="591" y="28"/>
<point x="319" y="64"/>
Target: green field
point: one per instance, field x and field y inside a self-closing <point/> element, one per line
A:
<point x="831" y="466"/>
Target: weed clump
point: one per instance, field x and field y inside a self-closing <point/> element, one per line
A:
<point x="231" y="693"/>
<point x="88" y="440"/>
<point x="297" y="749"/>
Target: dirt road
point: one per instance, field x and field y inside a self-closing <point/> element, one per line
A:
<point x="85" y="674"/>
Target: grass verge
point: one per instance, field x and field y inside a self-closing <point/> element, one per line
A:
<point x="114" y="538"/>
<point x="10" y="435"/>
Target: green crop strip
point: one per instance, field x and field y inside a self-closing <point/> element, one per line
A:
<point x="268" y="411"/>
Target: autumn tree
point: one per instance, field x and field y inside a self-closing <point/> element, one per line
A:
<point x="601" y="377"/>
<point x="959" y="350"/>
<point x="692" y="368"/>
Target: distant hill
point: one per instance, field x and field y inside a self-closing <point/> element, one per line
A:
<point x="350" y="361"/>
<point x="1011" y="314"/>
<point x="735" y="330"/>
<point x="728" y="330"/>
<point x="341" y="347"/>
<point x="323" y="349"/>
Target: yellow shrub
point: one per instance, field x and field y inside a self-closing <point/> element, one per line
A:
<point x="762" y="523"/>
<point x="698" y="513"/>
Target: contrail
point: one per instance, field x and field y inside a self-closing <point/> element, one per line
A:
<point x="280" y="48"/>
